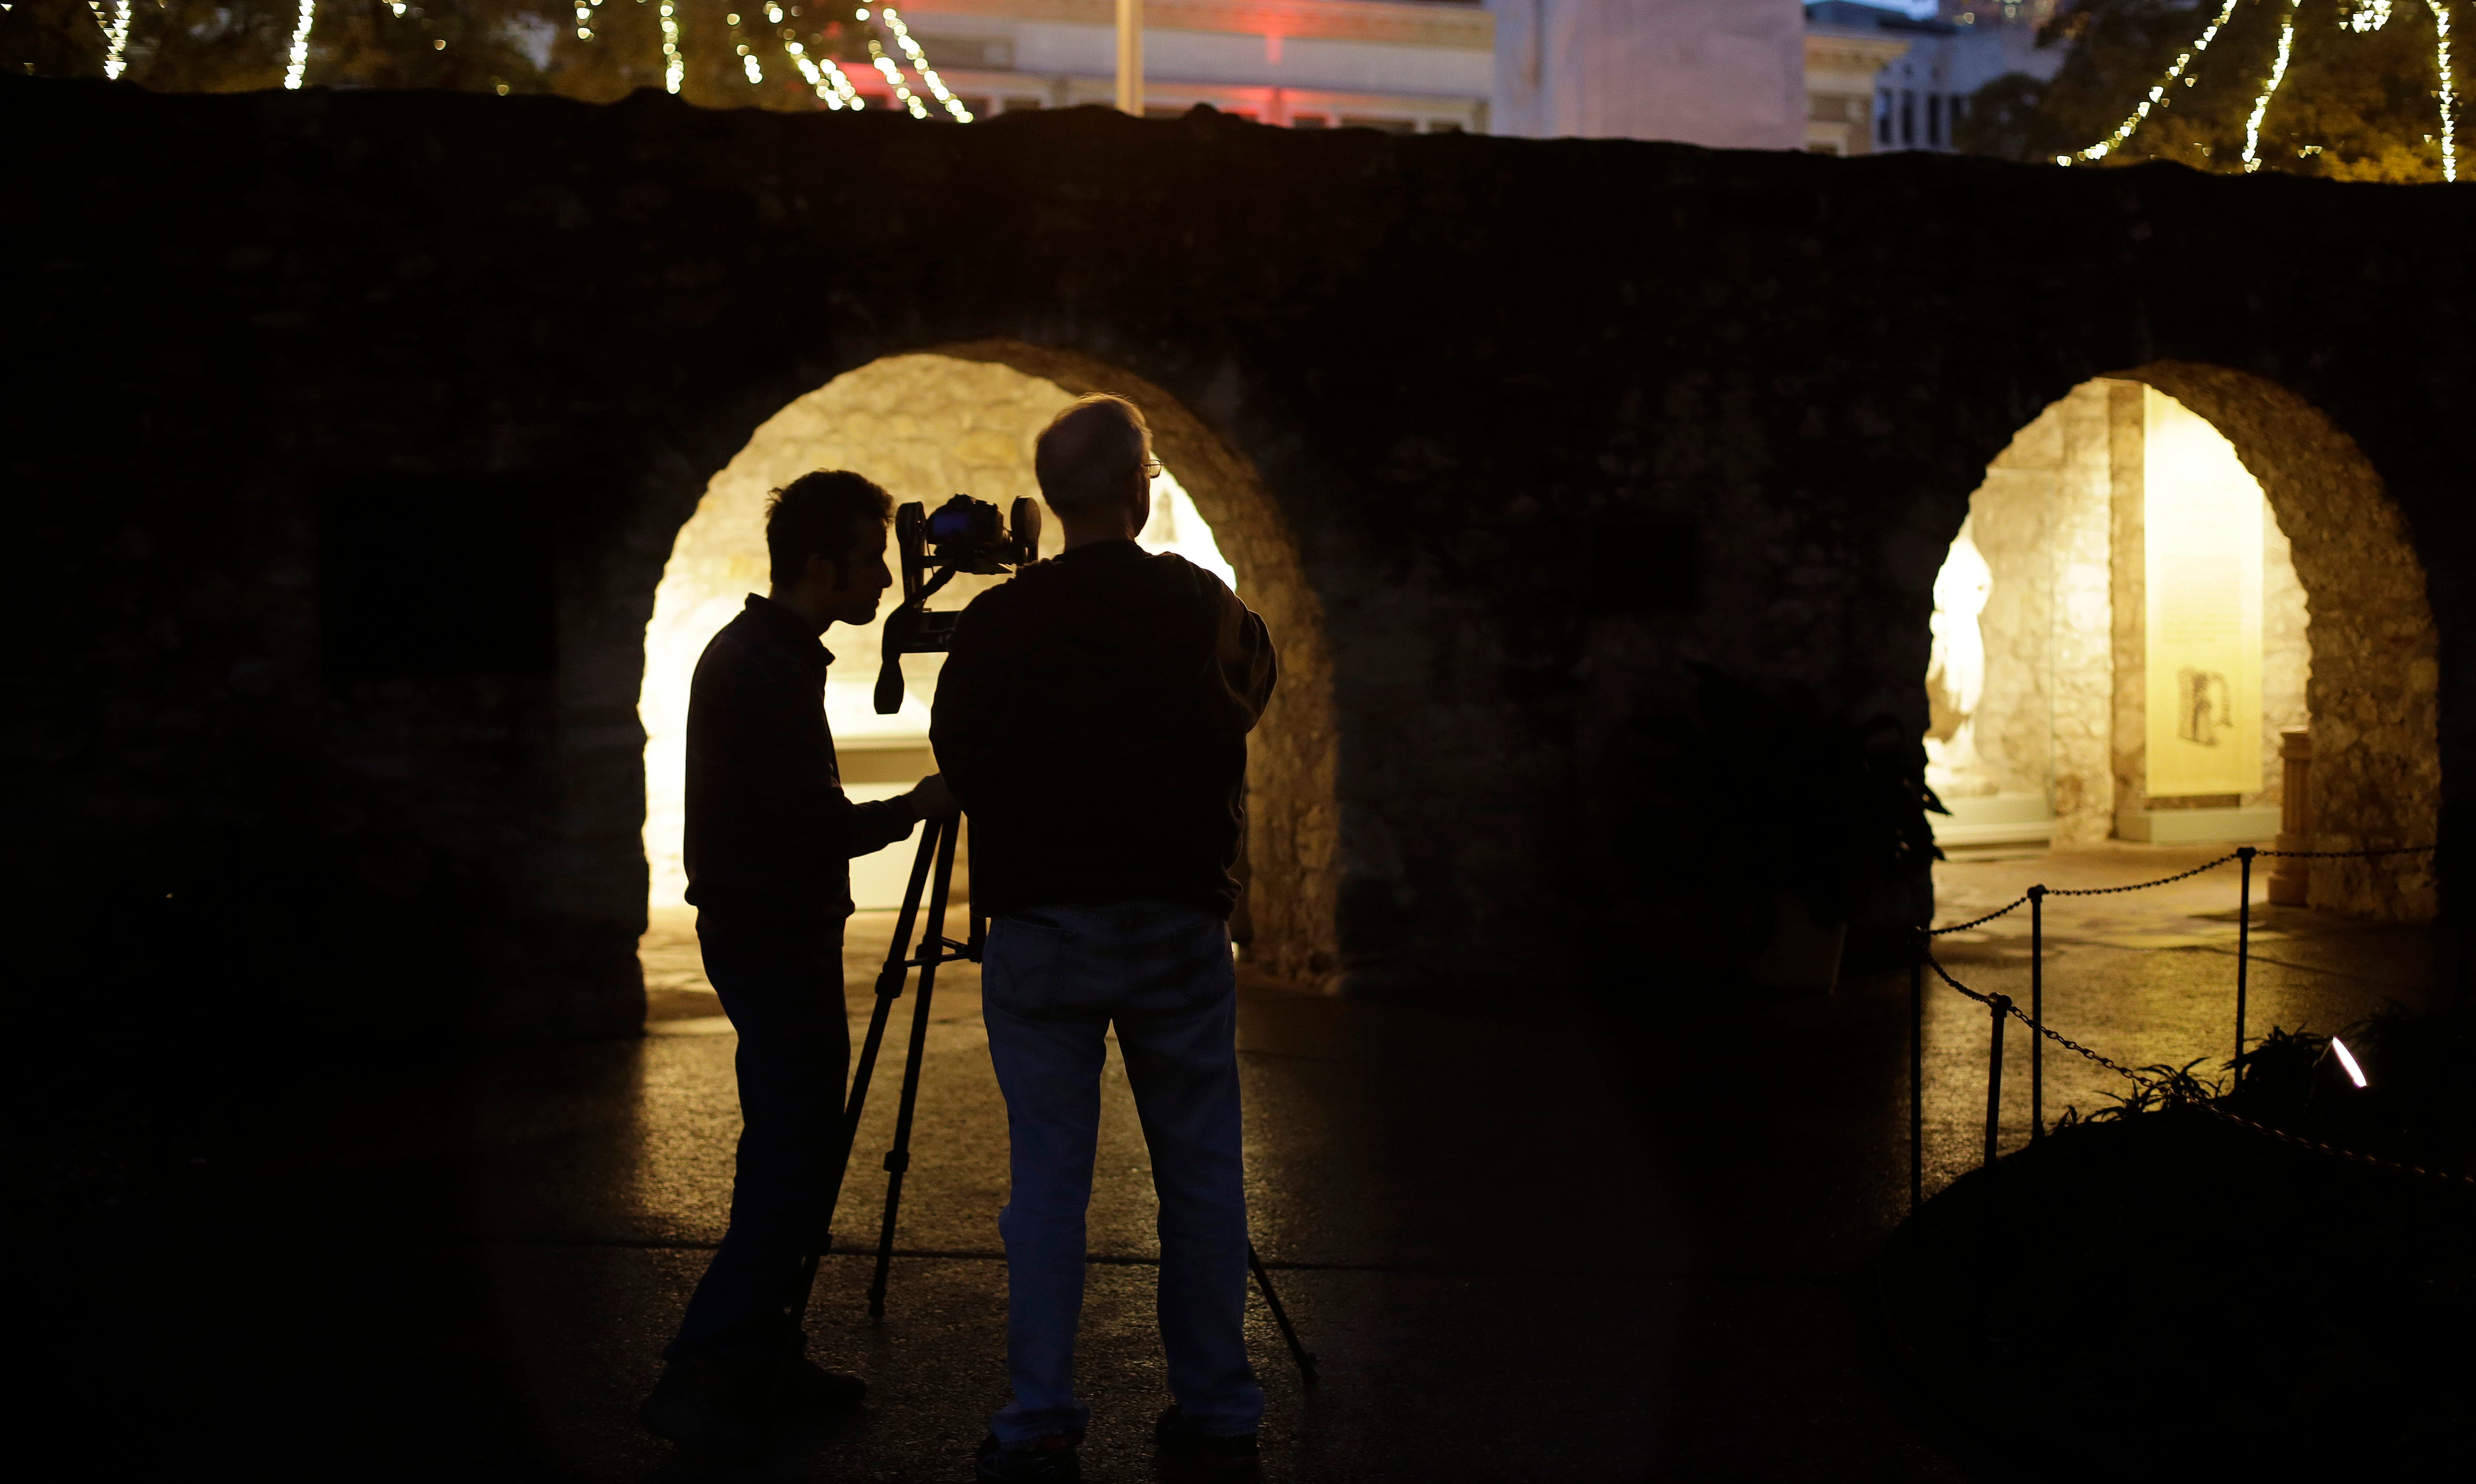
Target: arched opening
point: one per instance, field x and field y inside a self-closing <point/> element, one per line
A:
<point x="2163" y="575"/>
<point x="963" y="418"/>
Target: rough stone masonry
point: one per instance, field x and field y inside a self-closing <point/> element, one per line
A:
<point x="349" y="434"/>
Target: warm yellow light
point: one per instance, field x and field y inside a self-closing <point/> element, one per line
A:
<point x="2448" y="93"/>
<point x="2347" y="1061"/>
<point x="2269" y="90"/>
<point x="298" y="59"/>
<point x="675" y="68"/>
<point x="2124" y="131"/>
<point x="115" y="37"/>
<point x="2202" y="513"/>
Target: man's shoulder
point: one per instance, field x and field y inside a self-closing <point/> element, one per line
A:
<point x="744" y="650"/>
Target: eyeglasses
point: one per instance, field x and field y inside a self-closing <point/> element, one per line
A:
<point x="1151" y="468"/>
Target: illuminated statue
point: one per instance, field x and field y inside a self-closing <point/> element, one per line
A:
<point x="1956" y="662"/>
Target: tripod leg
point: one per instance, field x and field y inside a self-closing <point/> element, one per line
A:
<point x="889" y="988"/>
<point x="898" y="1160"/>
<point x="1304" y="1357"/>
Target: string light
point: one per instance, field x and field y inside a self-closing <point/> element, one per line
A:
<point x="747" y="55"/>
<point x="894" y="79"/>
<point x="2449" y="89"/>
<point x="584" y="19"/>
<point x="2367" y="16"/>
<point x="920" y="63"/>
<point x="828" y="79"/>
<point x="675" y="68"/>
<point x="2269" y="89"/>
<point x="297" y="61"/>
<point x="116" y="36"/>
<point x="2157" y="96"/>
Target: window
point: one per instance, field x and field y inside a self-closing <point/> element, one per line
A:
<point x="1908" y="117"/>
<point x="1388" y="125"/>
<point x="1883" y="118"/>
<point x="1443" y="126"/>
<point x="1309" y="121"/>
<point x="1934" y="119"/>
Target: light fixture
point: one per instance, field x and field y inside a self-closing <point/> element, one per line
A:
<point x="2347" y="1061"/>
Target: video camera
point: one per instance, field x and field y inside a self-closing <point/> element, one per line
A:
<point x="964" y="535"/>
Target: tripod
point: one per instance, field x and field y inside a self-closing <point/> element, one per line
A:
<point x="934" y="947"/>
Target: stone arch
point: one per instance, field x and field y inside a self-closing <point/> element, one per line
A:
<point x="2375" y="686"/>
<point x="2372" y="685"/>
<point x="1292" y="835"/>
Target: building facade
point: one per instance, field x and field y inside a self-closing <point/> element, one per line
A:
<point x="1406" y="66"/>
<point x="1931" y="65"/>
<point x="1725" y="73"/>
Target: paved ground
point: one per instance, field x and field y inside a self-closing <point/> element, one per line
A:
<point x="1525" y="1248"/>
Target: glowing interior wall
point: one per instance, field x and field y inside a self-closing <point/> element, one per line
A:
<point x="2202" y="559"/>
<point x="924" y="427"/>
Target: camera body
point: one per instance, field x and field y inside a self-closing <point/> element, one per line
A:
<point x="964" y="534"/>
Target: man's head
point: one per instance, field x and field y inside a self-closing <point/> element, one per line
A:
<point x="1095" y="465"/>
<point x="824" y="535"/>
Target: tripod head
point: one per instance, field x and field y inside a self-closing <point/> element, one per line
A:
<point x="964" y="534"/>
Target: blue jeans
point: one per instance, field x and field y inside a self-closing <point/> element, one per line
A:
<point x="1054" y="980"/>
<point x="782" y="988"/>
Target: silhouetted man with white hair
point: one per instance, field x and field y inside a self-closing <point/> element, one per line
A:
<point x="1092" y="717"/>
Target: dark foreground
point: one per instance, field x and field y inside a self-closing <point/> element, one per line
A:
<point x="1528" y="1243"/>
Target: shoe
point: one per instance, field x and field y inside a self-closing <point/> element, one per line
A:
<point x="709" y="1407"/>
<point x="1183" y="1440"/>
<point x="806" y="1389"/>
<point x="1051" y="1460"/>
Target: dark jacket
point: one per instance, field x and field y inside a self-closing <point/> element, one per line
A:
<point x="770" y="834"/>
<point x="1093" y="717"/>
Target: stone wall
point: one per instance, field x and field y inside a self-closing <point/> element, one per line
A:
<point x="1499" y="433"/>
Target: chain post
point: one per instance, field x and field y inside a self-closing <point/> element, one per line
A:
<point x="2243" y="959"/>
<point x="2001" y="1007"/>
<point x="2037" y="1013"/>
<point x="1917" y="1072"/>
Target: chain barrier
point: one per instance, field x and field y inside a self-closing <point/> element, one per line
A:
<point x="2017" y="903"/>
<point x="1975" y="922"/>
<point x="2301" y="1142"/>
<point x="2163" y="880"/>
<point x="2165" y="1090"/>
<point x="2060" y="1039"/>
<point x="2392" y="850"/>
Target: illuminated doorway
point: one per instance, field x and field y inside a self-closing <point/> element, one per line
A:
<point x="2123" y="630"/>
<point x="925" y="427"/>
<point x="2118" y="635"/>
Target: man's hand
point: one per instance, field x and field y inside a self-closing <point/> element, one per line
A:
<point x="932" y="799"/>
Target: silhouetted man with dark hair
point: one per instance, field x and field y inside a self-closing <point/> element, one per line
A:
<point x="1093" y="717"/>
<point x="769" y="840"/>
